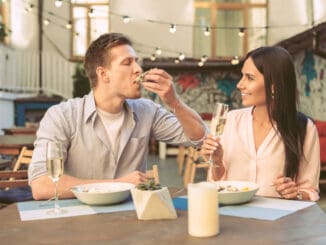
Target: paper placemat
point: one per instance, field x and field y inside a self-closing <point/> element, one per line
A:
<point x="34" y="210"/>
<point x="262" y="208"/>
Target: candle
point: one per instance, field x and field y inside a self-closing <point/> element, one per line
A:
<point x="203" y="218"/>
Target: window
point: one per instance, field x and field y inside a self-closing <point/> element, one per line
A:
<point x="227" y="28"/>
<point x="90" y="19"/>
<point x="3" y="22"/>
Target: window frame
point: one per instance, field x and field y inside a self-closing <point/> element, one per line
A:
<point x="88" y="6"/>
<point x="215" y="7"/>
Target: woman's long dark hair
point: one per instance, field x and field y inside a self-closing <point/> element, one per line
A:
<point x="277" y="67"/>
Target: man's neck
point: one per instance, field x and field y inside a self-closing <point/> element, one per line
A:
<point x="107" y="102"/>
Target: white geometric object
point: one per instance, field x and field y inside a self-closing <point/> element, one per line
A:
<point x="153" y="204"/>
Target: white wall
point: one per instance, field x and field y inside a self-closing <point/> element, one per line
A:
<point x="154" y="34"/>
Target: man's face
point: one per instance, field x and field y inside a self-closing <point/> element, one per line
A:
<point x="123" y="71"/>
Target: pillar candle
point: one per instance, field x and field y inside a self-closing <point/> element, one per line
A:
<point x="203" y="217"/>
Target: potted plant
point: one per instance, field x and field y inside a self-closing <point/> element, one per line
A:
<point x="153" y="201"/>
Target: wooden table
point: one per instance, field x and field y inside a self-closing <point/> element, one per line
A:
<point x="12" y="144"/>
<point x="19" y="130"/>
<point x="307" y="226"/>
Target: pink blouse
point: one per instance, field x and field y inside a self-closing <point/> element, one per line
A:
<point x="243" y="162"/>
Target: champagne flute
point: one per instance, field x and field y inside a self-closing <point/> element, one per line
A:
<point x="218" y="121"/>
<point x="54" y="167"/>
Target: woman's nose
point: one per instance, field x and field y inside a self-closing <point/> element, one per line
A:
<point x="240" y="84"/>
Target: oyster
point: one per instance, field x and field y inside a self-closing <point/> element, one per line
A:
<point x="141" y="77"/>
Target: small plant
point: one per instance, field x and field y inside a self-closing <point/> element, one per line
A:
<point x="149" y="185"/>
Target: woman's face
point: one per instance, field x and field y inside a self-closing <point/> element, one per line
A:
<point x="251" y="85"/>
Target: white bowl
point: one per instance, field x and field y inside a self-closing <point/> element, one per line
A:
<point x="244" y="192"/>
<point x="102" y="193"/>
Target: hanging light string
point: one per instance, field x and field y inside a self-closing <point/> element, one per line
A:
<point x="172" y="27"/>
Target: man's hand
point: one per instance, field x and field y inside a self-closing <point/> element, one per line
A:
<point x="135" y="177"/>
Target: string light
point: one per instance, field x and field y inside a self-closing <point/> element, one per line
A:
<point x="126" y="19"/>
<point x="158" y="51"/>
<point x="46" y="22"/>
<point x="29" y="8"/>
<point x="69" y="25"/>
<point x="173" y="28"/>
<point x="241" y="32"/>
<point x="91" y="13"/>
<point x="200" y="63"/>
<point x="204" y="58"/>
<point x="235" y="60"/>
<point x="182" y="56"/>
<point x="153" y="57"/>
<point x="207" y="31"/>
<point x="58" y="3"/>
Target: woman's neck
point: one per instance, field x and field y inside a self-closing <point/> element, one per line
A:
<point x="260" y="115"/>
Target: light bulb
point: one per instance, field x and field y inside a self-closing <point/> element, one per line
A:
<point x="69" y="25"/>
<point x="126" y="19"/>
<point x="58" y="3"/>
<point x="207" y="31"/>
<point x="204" y="58"/>
<point x="91" y="12"/>
<point x="46" y="22"/>
<point x="182" y="56"/>
<point x="235" y="60"/>
<point x="241" y="32"/>
<point x="153" y="57"/>
<point x="158" y="51"/>
<point x="173" y="28"/>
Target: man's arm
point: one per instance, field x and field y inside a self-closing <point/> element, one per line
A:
<point x="160" y="82"/>
<point x="43" y="187"/>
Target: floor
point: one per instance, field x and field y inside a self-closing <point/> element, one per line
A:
<point x="168" y="174"/>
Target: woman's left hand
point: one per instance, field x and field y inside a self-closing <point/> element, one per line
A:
<point x="286" y="187"/>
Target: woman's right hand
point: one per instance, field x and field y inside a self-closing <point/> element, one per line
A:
<point x="210" y="146"/>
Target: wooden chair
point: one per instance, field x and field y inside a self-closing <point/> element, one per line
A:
<point x="182" y="154"/>
<point x="24" y="158"/>
<point x="154" y="174"/>
<point x="4" y="164"/>
<point x="194" y="162"/>
<point x="16" y="177"/>
<point x="13" y="179"/>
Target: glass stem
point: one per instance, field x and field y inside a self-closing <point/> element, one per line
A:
<point x="56" y="204"/>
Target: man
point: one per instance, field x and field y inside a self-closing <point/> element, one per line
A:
<point x="106" y="133"/>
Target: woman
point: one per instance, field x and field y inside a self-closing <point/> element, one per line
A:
<point x="268" y="142"/>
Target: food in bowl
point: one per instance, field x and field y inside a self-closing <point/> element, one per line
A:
<point x="234" y="192"/>
<point x="230" y="188"/>
<point x="102" y="193"/>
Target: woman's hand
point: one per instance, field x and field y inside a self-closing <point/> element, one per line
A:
<point x="210" y="146"/>
<point x="286" y="187"/>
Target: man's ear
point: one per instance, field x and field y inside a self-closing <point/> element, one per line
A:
<point x="102" y="73"/>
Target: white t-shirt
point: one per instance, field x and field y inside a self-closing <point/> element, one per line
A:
<point x="113" y="124"/>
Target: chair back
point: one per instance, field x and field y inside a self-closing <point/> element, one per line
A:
<point x="153" y="174"/>
<point x="24" y="158"/>
<point x="13" y="179"/>
<point x="17" y="178"/>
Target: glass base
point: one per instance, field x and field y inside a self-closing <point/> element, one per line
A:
<point x="56" y="211"/>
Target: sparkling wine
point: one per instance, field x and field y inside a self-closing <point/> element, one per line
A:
<point x="217" y="125"/>
<point x="54" y="168"/>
